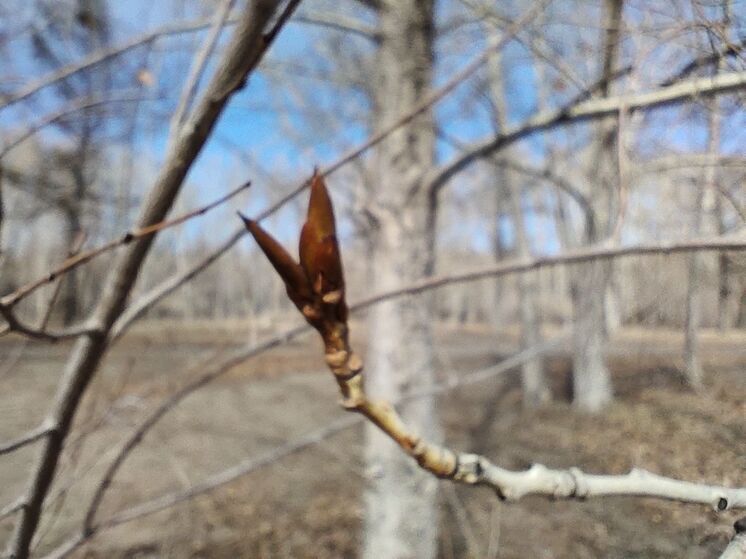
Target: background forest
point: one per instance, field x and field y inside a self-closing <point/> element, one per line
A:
<point x="540" y="208"/>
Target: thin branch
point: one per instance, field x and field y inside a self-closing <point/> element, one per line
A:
<point x="596" y="252"/>
<point x="587" y="110"/>
<point x="103" y="55"/>
<point x="338" y="22"/>
<point x="14" y="324"/>
<point x="24" y="440"/>
<point x="12" y="508"/>
<point x="130" y="236"/>
<point x="75" y="106"/>
<point x="138" y="307"/>
<point x="199" y="64"/>
<point x="245" y="50"/>
<point x="731" y="49"/>
<point x="15" y="357"/>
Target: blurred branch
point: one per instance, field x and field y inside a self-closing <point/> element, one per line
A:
<point x="251" y="39"/>
<point x="731" y="49"/>
<point x="14" y="324"/>
<point x="199" y="63"/>
<point x="339" y="22"/>
<point x="75" y="106"/>
<point x="12" y="508"/>
<point x="737" y="547"/>
<point x="103" y="55"/>
<point x="14" y="358"/>
<point x="168" y="286"/>
<point x="587" y="110"/>
<point x="595" y="252"/>
<point x="24" y="440"/>
<point x="130" y="236"/>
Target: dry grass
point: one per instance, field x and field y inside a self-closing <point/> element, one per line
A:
<point x="308" y="505"/>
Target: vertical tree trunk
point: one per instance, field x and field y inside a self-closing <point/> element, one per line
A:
<point x="533" y="379"/>
<point x="400" y="498"/>
<point x="591" y="378"/>
<point x="535" y="390"/>
<point x="703" y="224"/>
<point x="703" y="217"/>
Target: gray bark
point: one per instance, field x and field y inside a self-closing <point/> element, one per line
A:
<point x="591" y="378"/>
<point x="400" y="498"/>
<point x="703" y="213"/>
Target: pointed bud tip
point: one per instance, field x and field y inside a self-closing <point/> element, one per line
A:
<point x="246" y="221"/>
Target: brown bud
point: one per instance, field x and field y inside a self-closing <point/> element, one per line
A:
<point x="319" y="250"/>
<point x="296" y="282"/>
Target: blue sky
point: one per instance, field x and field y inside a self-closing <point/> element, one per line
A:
<point x="254" y="126"/>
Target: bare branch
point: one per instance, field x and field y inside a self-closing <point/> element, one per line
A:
<point x="246" y="48"/>
<point x="198" y="67"/>
<point x="14" y="324"/>
<point x="136" y="309"/>
<point x="252" y="464"/>
<point x="737" y="547"/>
<point x="102" y="56"/>
<point x="596" y="252"/>
<point x="575" y="484"/>
<point x="75" y="106"/>
<point x="130" y="236"/>
<point x="24" y="440"/>
<point x="730" y="49"/>
<point x="587" y="110"/>
<point x="338" y="22"/>
<point x="215" y="370"/>
<point x="12" y="508"/>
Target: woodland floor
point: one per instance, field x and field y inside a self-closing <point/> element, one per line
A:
<point x="308" y="504"/>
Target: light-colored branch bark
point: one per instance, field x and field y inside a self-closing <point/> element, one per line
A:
<point x="199" y="63"/>
<point x="14" y="324"/>
<point x="572" y="483"/>
<point x="597" y="252"/>
<point x="587" y="110"/>
<point x="12" y="508"/>
<point x="138" y="307"/>
<point x="102" y="56"/>
<point x="737" y="547"/>
<point x="246" y="48"/>
<point x="16" y="355"/>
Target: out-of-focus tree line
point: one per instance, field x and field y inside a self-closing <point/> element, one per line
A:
<point x="471" y="182"/>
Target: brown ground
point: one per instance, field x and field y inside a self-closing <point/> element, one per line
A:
<point x="308" y="504"/>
